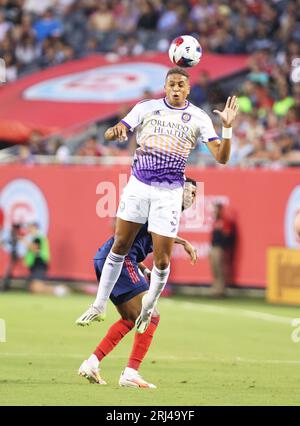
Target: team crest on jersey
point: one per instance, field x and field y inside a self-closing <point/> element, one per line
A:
<point x="186" y="117"/>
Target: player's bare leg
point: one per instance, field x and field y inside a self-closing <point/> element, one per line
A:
<point x="162" y="250"/>
<point x="125" y="234"/>
<point x="131" y="309"/>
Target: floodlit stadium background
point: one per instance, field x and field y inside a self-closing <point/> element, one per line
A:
<point x="73" y="68"/>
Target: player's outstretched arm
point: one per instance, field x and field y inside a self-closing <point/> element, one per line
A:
<point x="117" y="132"/>
<point x="229" y="113"/>
<point x="189" y="248"/>
<point x="221" y="151"/>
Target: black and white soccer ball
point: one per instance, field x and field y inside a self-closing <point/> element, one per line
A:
<point x="185" y="51"/>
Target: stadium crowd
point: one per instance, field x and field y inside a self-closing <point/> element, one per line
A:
<point x="37" y="34"/>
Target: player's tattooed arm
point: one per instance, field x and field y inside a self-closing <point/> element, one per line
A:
<point x="189" y="248"/>
<point x="117" y="132"/>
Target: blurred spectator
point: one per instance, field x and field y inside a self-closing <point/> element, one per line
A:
<point x="37" y="256"/>
<point x="102" y="19"/>
<point x="4" y="25"/>
<point x="26" y="51"/>
<point x="36" y="6"/>
<point x="284" y="102"/>
<point x="223" y="242"/>
<point x="37" y="260"/>
<point x="199" y="90"/>
<point x="11" y="71"/>
<point x="24" y="155"/>
<point x="12" y="243"/>
<point x="169" y="17"/>
<point x="148" y="16"/>
<point x="90" y="148"/>
<point x="62" y="153"/>
<point x="127" y="17"/>
<point x="47" y="26"/>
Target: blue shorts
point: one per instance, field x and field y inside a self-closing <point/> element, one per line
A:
<point x="129" y="284"/>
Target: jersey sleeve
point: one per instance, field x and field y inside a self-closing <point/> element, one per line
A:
<point x="134" y="117"/>
<point x="207" y="130"/>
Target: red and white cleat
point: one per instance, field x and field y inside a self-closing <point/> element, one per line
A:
<point x="134" y="381"/>
<point x="91" y="374"/>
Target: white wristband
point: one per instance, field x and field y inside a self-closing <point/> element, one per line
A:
<point x="226" y="132"/>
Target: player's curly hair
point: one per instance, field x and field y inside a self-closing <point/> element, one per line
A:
<point x="178" y="70"/>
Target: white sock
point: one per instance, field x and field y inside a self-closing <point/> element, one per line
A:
<point x="109" y="276"/>
<point x="159" y="278"/>
<point x="129" y="372"/>
<point x="93" y="361"/>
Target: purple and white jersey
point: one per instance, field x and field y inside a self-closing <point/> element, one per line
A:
<point x="166" y="135"/>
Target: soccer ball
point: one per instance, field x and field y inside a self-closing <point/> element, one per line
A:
<point x="185" y="51"/>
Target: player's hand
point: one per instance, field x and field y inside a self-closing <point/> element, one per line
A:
<point x="191" y="251"/>
<point x="230" y="111"/>
<point x="117" y="132"/>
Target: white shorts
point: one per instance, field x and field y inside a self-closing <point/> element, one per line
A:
<point x="161" y="207"/>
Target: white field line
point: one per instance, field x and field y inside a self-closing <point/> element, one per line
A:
<point x="200" y="307"/>
<point x="236" y="359"/>
<point x="232" y="311"/>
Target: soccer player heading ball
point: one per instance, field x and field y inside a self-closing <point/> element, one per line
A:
<point x="127" y="296"/>
<point x="167" y="130"/>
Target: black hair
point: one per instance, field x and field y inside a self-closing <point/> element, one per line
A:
<point x="190" y="180"/>
<point x="37" y="241"/>
<point x="178" y="70"/>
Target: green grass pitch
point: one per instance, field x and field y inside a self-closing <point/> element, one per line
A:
<point x="205" y="352"/>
